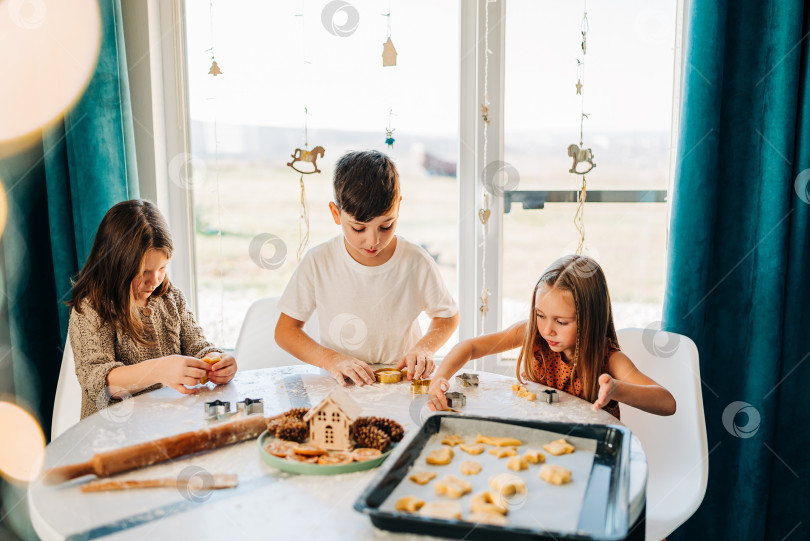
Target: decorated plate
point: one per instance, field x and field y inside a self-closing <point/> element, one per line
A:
<point x="307" y="468"/>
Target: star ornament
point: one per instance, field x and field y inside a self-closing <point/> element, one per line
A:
<point x="579" y="87"/>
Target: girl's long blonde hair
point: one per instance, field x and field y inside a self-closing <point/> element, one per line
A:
<point x="583" y="277"/>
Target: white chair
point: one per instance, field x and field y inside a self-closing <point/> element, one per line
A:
<point x="256" y="346"/>
<point x="676" y="446"/>
<point x="67" y="406"/>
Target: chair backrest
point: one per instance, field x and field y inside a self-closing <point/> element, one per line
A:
<point x="67" y="406"/>
<point x="676" y="446"/>
<point x="256" y="346"/>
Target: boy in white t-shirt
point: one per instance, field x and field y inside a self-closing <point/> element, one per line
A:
<point x="368" y="285"/>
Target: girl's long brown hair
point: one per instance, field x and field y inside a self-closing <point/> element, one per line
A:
<point x="583" y="277"/>
<point x="126" y="233"/>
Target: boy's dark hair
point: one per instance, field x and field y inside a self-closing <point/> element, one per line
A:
<point x="366" y="184"/>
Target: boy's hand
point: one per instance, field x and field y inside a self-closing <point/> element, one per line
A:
<point x="436" y="399"/>
<point x="355" y="370"/>
<point x="607" y="388"/>
<point x="223" y="371"/>
<point x="177" y="371"/>
<point x="419" y="362"/>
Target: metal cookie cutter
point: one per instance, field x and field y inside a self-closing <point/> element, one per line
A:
<point x="388" y="375"/>
<point x="467" y="380"/>
<point x="420" y="386"/>
<point x="250" y="406"/>
<point x="217" y="408"/>
<point x="455" y="399"/>
<point x="551" y="396"/>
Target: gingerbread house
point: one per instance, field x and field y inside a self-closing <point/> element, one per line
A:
<point x="331" y="420"/>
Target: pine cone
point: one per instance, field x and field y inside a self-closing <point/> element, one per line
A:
<point x="392" y="428"/>
<point x="371" y="436"/>
<point x="293" y="430"/>
<point x="298" y="413"/>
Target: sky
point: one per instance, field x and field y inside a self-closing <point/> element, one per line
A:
<point x="275" y="62"/>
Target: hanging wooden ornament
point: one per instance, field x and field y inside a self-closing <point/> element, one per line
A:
<point x="305" y="156"/>
<point x="483" y="215"/>
<point x="583" y="157"/>
<point x="214" y="68"/>
<point x="389" y="54"/>
<point x="389" y="131"/>
<point x="485" y="114"/>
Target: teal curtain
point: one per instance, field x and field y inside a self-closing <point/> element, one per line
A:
<point x="58" y="192"/>
<point x="739" y="258"/>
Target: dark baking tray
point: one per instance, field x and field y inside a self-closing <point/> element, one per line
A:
<point x="605" y="508"/>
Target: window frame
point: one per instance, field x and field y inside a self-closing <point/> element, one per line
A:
<point x="156" y="53"/>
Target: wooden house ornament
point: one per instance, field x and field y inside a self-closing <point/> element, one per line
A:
<point x="389" y="54"/>
<point x="331" y="420"/>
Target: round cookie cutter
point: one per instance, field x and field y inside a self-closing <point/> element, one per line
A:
<point x="388" y="375"/>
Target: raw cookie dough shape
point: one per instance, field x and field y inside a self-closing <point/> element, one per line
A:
<point x="555" y="475"/>
<point x="517" y="463"/>
<point x="452" y="487"/>
<point x="534" y="457"/>
<point x="506" y="488"/>
<point x="559" y="447"/>
<point x="422" y="478"/>
<point x="409" y="504"/>
<point x="443" y="509"/>
<point x="440" y="457"/>
<point x="470" y="467"/>
<point x="483" y="503"/>
<point x="473" y="448"/>
<point x="498" y="442"/>
<point x="494" y="519"/>
<point x="452" y="440"/>
<point x="501" y="453"/>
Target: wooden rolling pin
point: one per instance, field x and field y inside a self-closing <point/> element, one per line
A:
<point x="151" y="452"/>
<point x="216" y="481"/>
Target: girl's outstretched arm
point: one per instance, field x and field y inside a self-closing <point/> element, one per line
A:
<point x="627" y="384"/>
<point x="467" y="350"/>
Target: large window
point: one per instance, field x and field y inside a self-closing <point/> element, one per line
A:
<point x="276" y="59"/>
<point x="628" y="89"/>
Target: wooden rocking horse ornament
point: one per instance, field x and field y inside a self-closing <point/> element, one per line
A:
<point x="580" y="155"/>
<point x="308" y="156"/>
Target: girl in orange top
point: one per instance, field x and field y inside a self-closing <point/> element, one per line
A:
<point x="571" y="346"/>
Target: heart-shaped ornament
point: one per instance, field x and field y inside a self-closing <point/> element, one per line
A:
<point x="483" y="215"/>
